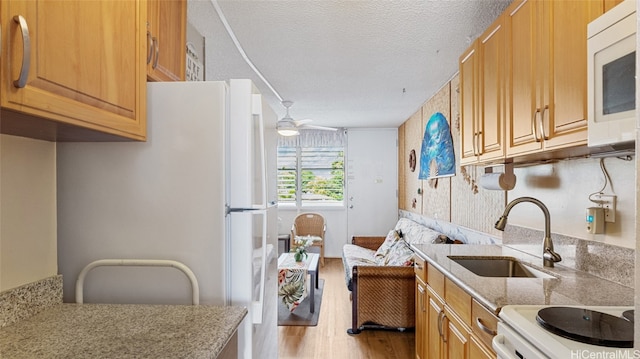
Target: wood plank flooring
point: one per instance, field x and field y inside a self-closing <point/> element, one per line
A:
<point x="329" y="339"/>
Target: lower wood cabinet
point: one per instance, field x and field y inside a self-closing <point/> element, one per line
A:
<point x="477" y="350"/>
<point x="455" y="336"/>
<point x="449" y="322"/>
<point x="422" y="302"/>
<point x="435" y="315"/>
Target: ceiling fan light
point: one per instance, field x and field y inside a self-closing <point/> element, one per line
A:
<point x="288" y="132"/>
<point x="287" y="128"/>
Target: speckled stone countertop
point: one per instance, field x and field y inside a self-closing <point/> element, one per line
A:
<point x="122" y="331"/>
<point x="567" y="287"/>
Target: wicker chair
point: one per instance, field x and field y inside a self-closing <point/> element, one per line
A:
<point x="309" y="224"/>
<point x="381" y="296"/>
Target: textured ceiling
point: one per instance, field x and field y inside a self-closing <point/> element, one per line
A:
<point x="344" y="63"/>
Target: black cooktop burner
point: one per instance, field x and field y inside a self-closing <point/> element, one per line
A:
<point x="628" y="315"/>
<point x="587" y="326"/>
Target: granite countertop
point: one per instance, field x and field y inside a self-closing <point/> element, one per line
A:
<point x="567" y="287"/>
<point x="122" y="331"/>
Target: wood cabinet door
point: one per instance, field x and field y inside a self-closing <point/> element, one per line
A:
<point x="421" y="319"/>
<point x="478" y="351"/>
<point x="491" y="95"/>
<point x="468" y="106"/>
<point x="456" y="338"/>
<point x="86" y="63"/>
<point x="167" y="31"/>
<point x="565" y="74"/>
<point x="610" y="4"/>
<point x="521" y="25"/>
<point x="435" y="317"/>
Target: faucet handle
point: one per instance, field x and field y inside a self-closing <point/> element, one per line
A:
<point x="550" y="255"/>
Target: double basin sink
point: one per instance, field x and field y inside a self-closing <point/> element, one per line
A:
<point x="498" y="267"/>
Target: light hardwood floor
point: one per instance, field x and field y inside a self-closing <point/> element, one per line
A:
<point x="329" y="339"/>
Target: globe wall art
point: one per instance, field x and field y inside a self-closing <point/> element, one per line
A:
<point x="436" y="157"/>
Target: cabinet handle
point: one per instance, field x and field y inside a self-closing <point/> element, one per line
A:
<point x="478" y="143"/>
<point x="473" y="144"/>
<point x="440" y="320"/>
<point x="26" y="49"/>
<point x="543" y="135"/>
<point x="150" y="42"/>
<point x="156" y="46"/>
<point x="421" y="290"/>
<point x="533" y="124"/>
<point x="444" y="332"/>
<point x="484" y="328"/>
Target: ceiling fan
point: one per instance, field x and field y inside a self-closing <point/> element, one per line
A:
<point x="287" y="126"/>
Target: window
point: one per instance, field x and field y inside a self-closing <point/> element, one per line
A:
<point x="312" y="174"/>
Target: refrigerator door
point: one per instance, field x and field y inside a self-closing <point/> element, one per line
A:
<point x="247" y="189"/>
<point x="248" y="216"/>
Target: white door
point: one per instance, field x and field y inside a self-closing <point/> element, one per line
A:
<point x="372" y="181"/>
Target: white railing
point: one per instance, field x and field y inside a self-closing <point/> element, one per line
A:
<point x="195" y="290"/>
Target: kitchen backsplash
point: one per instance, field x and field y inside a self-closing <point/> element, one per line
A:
<point x="603" y="260"/>
<point x="29" y="299"/>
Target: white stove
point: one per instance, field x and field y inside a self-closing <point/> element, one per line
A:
<point x="521" y="337"/>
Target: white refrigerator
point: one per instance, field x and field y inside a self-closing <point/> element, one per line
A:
<point x="200" y="191"/>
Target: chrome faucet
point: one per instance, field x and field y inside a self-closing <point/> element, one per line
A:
<point x="548" y="255"/>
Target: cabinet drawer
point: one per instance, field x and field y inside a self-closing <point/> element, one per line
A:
<point x="435" y="279"/>
<point x="421" y="269"/>
<point x="458" y="300"/>
<point x="485" y="323"/>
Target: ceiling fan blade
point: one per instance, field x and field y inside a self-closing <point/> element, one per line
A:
<point x="314" y="127"/>
<point x="302" y="122"/>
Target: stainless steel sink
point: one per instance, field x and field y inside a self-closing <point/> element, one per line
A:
<point x="498" y="267"/>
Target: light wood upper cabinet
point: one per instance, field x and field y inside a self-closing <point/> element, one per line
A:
<point x="74" y="70"/>
<point x="482" y="97"/>
<point x="522" y="27"/>
<point x="468" y="106"/>
<point x="564" y="92"/>
<point x="166" y="40"/>
<point x="546" y="64"/>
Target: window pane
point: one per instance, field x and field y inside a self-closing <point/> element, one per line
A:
<point x="287" y="178"/>
<point x="322" y="174"/>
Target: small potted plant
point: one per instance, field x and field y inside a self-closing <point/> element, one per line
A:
<point x="300" y="250"/>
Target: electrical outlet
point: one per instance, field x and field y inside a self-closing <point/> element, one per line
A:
<point x="608" y="202"/>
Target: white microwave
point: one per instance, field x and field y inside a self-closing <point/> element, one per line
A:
<point x="611" y="77"/>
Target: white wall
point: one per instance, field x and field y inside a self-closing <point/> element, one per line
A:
<point x="366" y="168"/>
<point x="564" y="187"/>
<point x="28" y="248"/>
